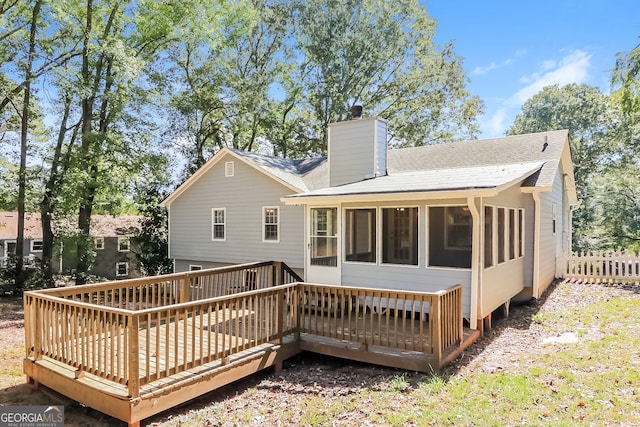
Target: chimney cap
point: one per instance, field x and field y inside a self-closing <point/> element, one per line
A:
<point x="356" y="112"/>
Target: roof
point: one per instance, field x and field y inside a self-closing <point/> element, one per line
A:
<point x="107" y="225"/>
<point x="9" y="226"/>
<point x="466" y="164"/>
<point x="492" y="177"/>
<point x="101" y="225"/>
<point x="299" y="175"/>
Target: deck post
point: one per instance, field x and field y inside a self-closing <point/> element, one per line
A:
<point x="280" y="315"/>
<point x="133" y="374"/>
<point x="38" y="329"/>
<point x="435" y="318"/>
<point x="277" y="273"/>
<point x="185" y="286"/>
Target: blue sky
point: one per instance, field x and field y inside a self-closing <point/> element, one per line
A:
<point x="512" y="49"/>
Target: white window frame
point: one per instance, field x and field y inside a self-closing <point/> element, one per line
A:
<point x="124" y="239"/>
<point x="126" y="269"/>
<point x="99" y="244"/>
<point x="213" y="224"/>
<point x="376" y="238"/>
<point x="554" y="222"/>
<point x="194" y="267"/>
<point x="32" y="246"/>
<point x="380" y="236"/>
<point x="521" y="232"/>
<point x="264" y="224"/>
<point x="494" y="236"/>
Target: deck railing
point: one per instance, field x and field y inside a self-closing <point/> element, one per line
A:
<point x="414" y="321"/>
<point x="138" y="331"/>
<point x="602" y="266"/>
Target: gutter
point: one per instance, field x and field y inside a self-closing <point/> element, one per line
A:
<point x="536" y="244"/>
<point x="476" y="293"/>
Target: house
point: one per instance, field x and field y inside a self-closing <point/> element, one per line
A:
<point x="492" y="215"/>
<point x="115" y="256"/>
<point x="9" y="231"/>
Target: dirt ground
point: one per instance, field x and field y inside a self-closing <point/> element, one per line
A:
<point x="504" y="347"/>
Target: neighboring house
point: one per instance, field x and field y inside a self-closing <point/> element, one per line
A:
<point x="492" y="215"/>
<point x="115" y="257"/>
<point x="32" y="248"/>
<point x="115" y="252"/>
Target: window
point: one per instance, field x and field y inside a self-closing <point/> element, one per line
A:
<point x="521" y="232"/>
<point x="501" y="235"/>
<point x="36" y="246"/>
<point x="271" y="220"/>
<point x="459" y="226"/>
<point x="195" y="267"/>
<point x="324" y="237"/>
<point x="229" y="169"/>
<point x="553" y="218"/>
<point x="450" y="234"/>
<point x="122" y="269"/>
<point x="488" y="236"/>
<point x="400" y="235"/>
<point x="99" y="243"/>
<point x="512" y="234"/>
<point x="123" y="244"/>
<point x="218" y="224"/>
<point x="360" y="235"/>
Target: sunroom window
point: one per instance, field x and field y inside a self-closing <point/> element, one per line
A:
<point x="450" y="233"/>
<point x="400" y="235"/>
<point x="360" y="235"/>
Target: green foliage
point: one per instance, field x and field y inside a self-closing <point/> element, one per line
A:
<point x="604" y="151"/>
<point x="152" y="249"/>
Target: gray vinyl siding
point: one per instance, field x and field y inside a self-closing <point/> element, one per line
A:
<point x="243" y="196"/>
<point x="381" y="149"/>
<point x="352" y="147"/>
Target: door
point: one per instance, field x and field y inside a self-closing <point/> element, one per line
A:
<point x="323" y="258"/>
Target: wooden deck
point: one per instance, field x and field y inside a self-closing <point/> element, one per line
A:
<point x="134" y="348"/>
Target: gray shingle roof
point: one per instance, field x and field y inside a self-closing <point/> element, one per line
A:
<point x="450" y="179"/>
<point x="465" y="163"/>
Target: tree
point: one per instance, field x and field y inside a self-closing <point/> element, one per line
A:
<point x="152" y="240"/>
<point x="593" y="128"/>
<point x="382" y="55"/>
<point x="626" y="79"/>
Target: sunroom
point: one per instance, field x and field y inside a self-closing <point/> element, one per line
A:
<point x="424" y="231"/>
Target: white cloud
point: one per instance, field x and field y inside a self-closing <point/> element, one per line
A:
<point x="495" y="65"/>
<point x="573" y="68"/>
<point x="495" y="126"/>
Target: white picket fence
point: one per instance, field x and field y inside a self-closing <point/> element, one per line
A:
<point x="601" y="266"/>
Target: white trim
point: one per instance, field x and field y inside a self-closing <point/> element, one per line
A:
<point x="536" y="245"/>
<point x="377" y="233"/>
<point x="99" y="239"/>
<point x="264" y="224"/>
<point x="213" y="224"/>
<point x="521" y="232"/>
<point x="381" y="233"/>
<point x="229" y="169"/>
<point x="124" y="239"/>
<point x="211" y="163"/>
<point x="34" y="241"/>
<point x="126" y="269"/>
<point x="476" y="285"/>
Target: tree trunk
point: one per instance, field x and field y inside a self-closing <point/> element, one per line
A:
<point x="24" y="137"/>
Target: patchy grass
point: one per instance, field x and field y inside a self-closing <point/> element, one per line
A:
<point x="592" y="381"/>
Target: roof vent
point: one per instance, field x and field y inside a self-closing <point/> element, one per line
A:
<point x="356" y="112"/>
<point x="546" y="143"/>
